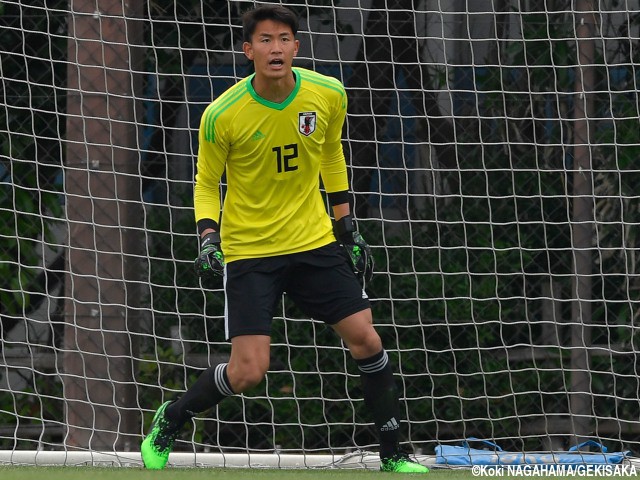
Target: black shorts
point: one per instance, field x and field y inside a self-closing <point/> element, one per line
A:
<point x="320" y="282"/>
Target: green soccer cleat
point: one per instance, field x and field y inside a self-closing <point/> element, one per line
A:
<point x="157" y="445"/>
<point x="400" y="463"/>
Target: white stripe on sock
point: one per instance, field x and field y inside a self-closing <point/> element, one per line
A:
<point x="218" y="377"/>
<point x="377" y="365"/>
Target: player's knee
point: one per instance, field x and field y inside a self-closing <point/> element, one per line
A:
<point x="246" y="375"/>
<point x="366" y="344"/>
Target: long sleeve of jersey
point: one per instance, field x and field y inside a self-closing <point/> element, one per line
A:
<point x="333" y="167"/>
<point x="212" y="156"/>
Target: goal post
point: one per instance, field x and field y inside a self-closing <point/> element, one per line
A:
<point x="492" y="147"/>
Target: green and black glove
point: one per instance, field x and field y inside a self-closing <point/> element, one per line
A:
<point x="356" y="248"/>
<point x="210" y="262"/>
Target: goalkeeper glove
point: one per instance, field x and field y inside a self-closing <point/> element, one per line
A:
<point x="357" y="249"/>
<point x="210" y="262"/>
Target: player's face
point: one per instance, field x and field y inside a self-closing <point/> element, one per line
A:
<point x="272" y="49"/>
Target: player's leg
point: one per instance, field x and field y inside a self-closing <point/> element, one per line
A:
<point x="247" y="366"/>
<point x="379" y="388"/>
<point x="324" y="286"/>
<point x="248" y="325"/>
<point x="248" y="363"/>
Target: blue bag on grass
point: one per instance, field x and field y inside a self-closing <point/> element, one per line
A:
<point x="464" y="455"/>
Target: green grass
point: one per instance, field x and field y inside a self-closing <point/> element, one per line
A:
<point x="107" y="473"/>
<point x="130" y="473"/>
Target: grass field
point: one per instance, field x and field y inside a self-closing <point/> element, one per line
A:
<point x="129" y="473"/>
<point x="105" y="473"/>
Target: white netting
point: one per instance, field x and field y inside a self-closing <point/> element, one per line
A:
<point x="493" y="149"/>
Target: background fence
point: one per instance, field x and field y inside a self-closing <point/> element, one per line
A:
<point x="493" y="150"/>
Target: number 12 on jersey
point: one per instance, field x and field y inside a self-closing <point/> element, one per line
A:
<point x="284" y="155"/>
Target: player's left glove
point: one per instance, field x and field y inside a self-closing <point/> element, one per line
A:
<point x="210" y="262"/>
<point x="356" y="248"/>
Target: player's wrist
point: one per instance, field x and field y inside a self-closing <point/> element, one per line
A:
<point x="210" y="239"/>
<point x="344" y="228"/>
<point x="205" y="225"/>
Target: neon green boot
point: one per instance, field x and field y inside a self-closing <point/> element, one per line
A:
<point x="401" y="463"/>
<point x="158" y="443"/>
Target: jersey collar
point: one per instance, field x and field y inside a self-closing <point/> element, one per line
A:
<point x="267" y="103"/>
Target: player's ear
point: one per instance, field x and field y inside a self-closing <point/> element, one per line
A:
<point x="297" y="45"/>
<point x="248" y="50"/>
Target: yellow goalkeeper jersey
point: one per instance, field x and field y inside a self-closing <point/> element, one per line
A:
<point x="273" y="155"/>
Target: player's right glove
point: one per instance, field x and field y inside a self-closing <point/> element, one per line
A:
<point x="356" y="248"/>
<point x="210" y="262"/>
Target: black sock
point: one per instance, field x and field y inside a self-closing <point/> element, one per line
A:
<point x="210" y="388"/>
<point x="381" y="399"/>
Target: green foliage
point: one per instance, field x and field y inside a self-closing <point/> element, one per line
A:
<point x="29" y="193"/>
<point x="41" y="403"/>
<point x="465" y="274"/>
<point x="30" y="200"/>
<point x="456" y="298"/>
<point x="452" y="304"/>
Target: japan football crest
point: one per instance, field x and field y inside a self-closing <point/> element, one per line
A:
<point x="307" y="123"/>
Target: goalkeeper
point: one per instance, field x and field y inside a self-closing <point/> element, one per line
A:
<point x="274" y="134"/>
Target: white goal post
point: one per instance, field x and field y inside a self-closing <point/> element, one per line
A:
<point x="492" y="147"/>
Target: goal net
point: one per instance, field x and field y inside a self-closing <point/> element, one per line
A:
<point x="492" y="148"/>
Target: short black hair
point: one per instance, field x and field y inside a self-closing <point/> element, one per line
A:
<point x="276" y="13"/>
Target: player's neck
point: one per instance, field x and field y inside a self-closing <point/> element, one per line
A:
<point x="274" y="90"/>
